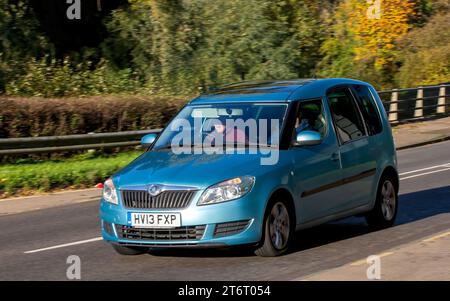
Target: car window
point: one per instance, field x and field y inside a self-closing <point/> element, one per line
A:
<point x="310" y="117"/>
<point x="246" y="123"/>
<point x="345" y="114"/>
<point x="368" y="109"/>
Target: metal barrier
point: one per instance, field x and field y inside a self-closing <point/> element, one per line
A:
<point x="34" y="145"/>
<point x="411" y="104"/>
<point x="401" y="104"/>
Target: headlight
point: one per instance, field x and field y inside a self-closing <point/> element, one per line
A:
<point x="109" y="192"/>
<point x="227" y="190"/>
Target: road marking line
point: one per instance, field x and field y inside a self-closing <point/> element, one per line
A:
<point x="433" y="238"/>
<point x="424" y="174"/>
<point x="423" y="169"/>
<point x="364" y="261"/>
<point x="49" y="194"/>
<point x="65" y="245"/>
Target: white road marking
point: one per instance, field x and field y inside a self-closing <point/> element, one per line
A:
<point x="424" y="174"/>
<point x="51" y="194"/>
<point x="364" y="261"/>
<point x="423" y="169"/>
<point x="445" y="234"/>
<point x="65" y="245"/>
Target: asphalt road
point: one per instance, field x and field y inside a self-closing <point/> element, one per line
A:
<point x="424" y="210"/>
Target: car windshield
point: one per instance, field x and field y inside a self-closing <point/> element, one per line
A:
<point x="255" y="124"/>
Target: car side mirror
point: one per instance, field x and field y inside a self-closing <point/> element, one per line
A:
<point x="308" y="138"/>
<point x="148" y="140"/>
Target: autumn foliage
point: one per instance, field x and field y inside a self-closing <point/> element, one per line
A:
<point x="376" y="32"/>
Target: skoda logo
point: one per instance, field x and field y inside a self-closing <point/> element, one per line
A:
<point x="154" y="190"/>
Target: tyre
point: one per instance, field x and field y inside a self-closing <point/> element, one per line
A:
<point x="122" y="250"/>
<point x="384" y="212"/>
<point x="278" y="230"/>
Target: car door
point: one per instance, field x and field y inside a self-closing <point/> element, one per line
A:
<point x="357" y="153"/>
<point x="316" y="168"/>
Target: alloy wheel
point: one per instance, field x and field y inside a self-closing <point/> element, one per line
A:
<point x="388" y="202"/>
<point x="279" y="226"/>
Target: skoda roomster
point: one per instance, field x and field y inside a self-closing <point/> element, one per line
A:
<point x="251" y="163"/>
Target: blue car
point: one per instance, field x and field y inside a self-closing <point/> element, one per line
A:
<point x="250" y="163"/>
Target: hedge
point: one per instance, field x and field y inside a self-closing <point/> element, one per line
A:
<point x="30" y="117"/>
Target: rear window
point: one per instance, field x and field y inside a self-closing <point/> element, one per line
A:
<point x="347" y="121"/>
<point x="368" y="109"/>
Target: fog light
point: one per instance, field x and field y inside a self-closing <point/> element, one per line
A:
<point x="108" y="228"/>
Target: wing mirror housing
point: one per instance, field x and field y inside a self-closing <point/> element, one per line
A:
<point x="306" y="138"/>
<point x="148" y="140"/>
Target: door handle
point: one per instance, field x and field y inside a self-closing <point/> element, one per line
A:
<point x="335" y="157"/>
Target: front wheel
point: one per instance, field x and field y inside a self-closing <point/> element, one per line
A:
<point x="278" y="231"/>
<point x="122" y="250"/>
<point x="385" y="210"/>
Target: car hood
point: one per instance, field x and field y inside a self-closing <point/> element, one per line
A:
<point x="199" y="170"/>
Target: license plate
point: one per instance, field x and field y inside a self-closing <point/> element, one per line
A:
<point x="154" y="220"/>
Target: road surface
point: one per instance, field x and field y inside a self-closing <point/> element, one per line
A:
<point x="35" y="245"/>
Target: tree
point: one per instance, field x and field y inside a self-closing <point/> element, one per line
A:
<point x="158" y="40"/>
<point x="425" y="55"/>
<point x="297" y="33"/>
<point x="178" y="46"/>
<point x="130" y="41"/>
<point x="364" y="46"/>
<point x="375" y="37"/>
<point x="20" y="39"/>
<point x="338" y="48"/>
<point x="260" y="40"/>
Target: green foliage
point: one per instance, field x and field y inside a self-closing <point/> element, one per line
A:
<point x="76" y="172"/>
<point x="49" y="78"/>
<point x="159" y="40"/>
<point x="178" y="46"/>
<point x="338" y="49"/>
<point x="129" y="44"/>
<point x="426" y="53"/>
<point x="173" y="47"/>
<point x="20" y="38"/>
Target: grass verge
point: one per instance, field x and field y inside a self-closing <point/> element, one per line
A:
<point x="80" y="171"/>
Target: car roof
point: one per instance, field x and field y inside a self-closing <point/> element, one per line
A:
<point x="272" y="90"/>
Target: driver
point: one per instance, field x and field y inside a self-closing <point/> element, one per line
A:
<point x="304" y="121"/>
<point x="310" y="118"/>
<point x="230" y="134"/>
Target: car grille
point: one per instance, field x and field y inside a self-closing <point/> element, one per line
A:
<point x="231" y="228"/>
<point x="180" y="233"/>
<point x="166" y="199"/>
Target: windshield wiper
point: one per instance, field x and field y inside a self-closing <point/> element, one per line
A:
<point x="170" y="146"/>
<point x="167" y="146"/>
<point x="247" y="144"/>
<point x="236" y="144"/>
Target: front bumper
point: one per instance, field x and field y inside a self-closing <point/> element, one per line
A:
<point x="201" y="226"/>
